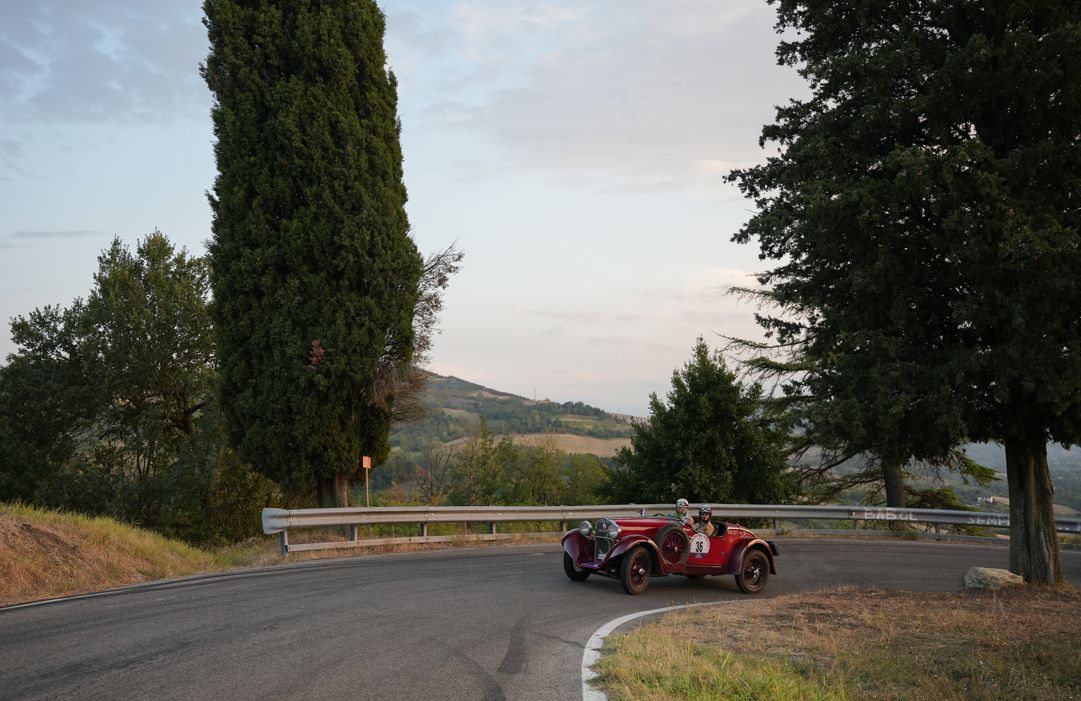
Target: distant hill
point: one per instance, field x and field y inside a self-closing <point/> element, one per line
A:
<point x="994" y="456"/>
<point x="455" y="407"/>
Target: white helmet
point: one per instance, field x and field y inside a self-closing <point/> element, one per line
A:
<point x="681" y="506"/>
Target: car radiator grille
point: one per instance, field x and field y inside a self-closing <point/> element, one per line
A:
<point x="601" y="548"/>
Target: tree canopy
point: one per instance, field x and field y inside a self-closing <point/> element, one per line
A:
<point x="108" y="406"/>
<point x="922" y="207"/>
<point x="314" y="273"/>
<point x="710" y="442"/>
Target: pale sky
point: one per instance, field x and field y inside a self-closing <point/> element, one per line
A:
<point x="574" y="150"/>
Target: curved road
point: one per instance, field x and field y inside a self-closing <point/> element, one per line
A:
<point x="481" y="623"/>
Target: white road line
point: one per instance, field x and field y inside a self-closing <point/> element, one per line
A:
<point x="592" y="653"/>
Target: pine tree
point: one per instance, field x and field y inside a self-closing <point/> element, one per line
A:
<point x="709" y="442"/>
<point x="313" y="271"/>
<point x="923" y="208"/>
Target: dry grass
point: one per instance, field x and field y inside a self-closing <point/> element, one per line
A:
<point x="602" y="447"/>
<point x="854" y="644"/>
<point x="46" y="554"/>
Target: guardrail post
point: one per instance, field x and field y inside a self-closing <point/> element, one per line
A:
<point x="856" y="523"/>
<point x="491" y="528"/>
<point x="938" y="529"/>
<point x="774" y="524"/>
<point x="352" y="533"/>
<point x="562" y="526"/>
<point x="424" y="530"/>
<point x="283" y="542"/>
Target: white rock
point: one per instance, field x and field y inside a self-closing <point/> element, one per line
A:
<point x="990" y="579"/>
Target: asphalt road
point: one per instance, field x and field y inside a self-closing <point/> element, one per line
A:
<point x="482" y="623"/>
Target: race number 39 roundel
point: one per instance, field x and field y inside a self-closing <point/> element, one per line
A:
<point x="699" y="545"/>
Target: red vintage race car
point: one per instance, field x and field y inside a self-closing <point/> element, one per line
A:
<point x="635" y="549"/>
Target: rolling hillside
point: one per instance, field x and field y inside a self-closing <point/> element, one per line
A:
<point x="455" y="408"/>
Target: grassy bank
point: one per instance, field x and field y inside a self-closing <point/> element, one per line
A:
<point x="853" y="644"/>
<point x="45" y="554"/>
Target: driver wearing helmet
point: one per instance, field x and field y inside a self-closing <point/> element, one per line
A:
<point x="681" y="512"/>
<point x="704" y="525"/>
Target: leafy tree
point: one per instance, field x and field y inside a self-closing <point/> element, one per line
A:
<point x="406" y="382"/>
<point x="710" y="442"/>
<point x="435" y="475"/>
<point x="922" y="207"/>
<point x="314" y="274"/>
<point x="536" y="477"/>
<point x="480" y="468"/>
<point x="587" y="480"/>
<point x="107" y="408"/>
<point x="819" y="444"/>
<point x="46" y="407"/>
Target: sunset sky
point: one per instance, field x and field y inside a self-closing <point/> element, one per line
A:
<point x="574" y="150"/>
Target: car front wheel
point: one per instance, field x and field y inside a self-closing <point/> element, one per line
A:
<point x="635" y="570"/>
<point x="576" y="573"/>
<point x="753" y="573"/>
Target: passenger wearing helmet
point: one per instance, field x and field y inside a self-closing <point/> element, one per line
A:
<point x="704" y="525"/>
<point x="681" y="512"/>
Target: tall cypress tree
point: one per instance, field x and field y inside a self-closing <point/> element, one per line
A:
<point x="313" y="271"/>
<point x="923" y="209"/>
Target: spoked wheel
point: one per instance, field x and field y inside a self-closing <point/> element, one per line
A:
<point x="635" y="571"/>
<point x="576" y="573"/>
<point x="674" y="545"/>
<point x="754" y="573"/>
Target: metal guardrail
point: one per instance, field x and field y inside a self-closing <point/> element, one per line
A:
<point x="281" y="521"/>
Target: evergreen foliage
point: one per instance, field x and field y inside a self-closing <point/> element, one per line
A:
<point x="923" y="206"/>
<point x="710" y="442"/>
<point x="108" y="407"/>
<point x="314" y="274"/>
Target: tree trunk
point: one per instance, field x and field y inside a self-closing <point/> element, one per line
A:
<point x="333" y="492"/>
<point x="895" y="485"/>
<point x="1034" y="551"/>
<point x="895" y="491"/>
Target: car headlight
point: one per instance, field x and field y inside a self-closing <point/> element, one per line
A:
<point x="607" y="528"/>
<point x="585" y="529"/>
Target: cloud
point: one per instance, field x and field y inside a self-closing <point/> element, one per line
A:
<point x="704" y="284"/>
<point x="22" y="239"/>
<point x="655" y="96"/>
<point x="10" y="151"/>
<point x="581" y="317"/>
<point x="68" y="61"/>
<point x="55" y="234"/>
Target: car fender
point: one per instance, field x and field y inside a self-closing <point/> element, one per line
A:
<point x="735" y="560"/>
<point x="578" y="547"/>
<point x="625" y="544"/>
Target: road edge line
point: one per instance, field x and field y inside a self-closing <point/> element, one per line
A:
<point x="592" y="651"/>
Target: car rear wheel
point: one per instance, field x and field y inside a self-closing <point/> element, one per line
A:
<point x="673" y="544"/>
<point x="635" y="570"/>
<point x="753" y="572"/>
<point x="576" y="573"/>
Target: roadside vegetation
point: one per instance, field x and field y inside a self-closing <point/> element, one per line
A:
<point x="1023" y="643"/>
<point x="47" y="553"/>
